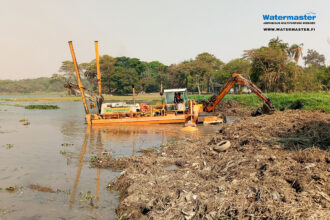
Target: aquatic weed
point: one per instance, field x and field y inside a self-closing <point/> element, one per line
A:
<point x="9" y="146"/>
<point x="42" y="107"/>
<point x="63" y="152"/>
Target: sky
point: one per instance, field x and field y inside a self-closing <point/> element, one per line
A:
<point x="34" y="34"/>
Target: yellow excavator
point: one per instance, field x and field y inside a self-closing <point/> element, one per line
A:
<point x="267" y="108"/>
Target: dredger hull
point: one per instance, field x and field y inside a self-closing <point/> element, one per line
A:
<point x="168" y="119"/>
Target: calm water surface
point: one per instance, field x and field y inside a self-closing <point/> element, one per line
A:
<point x="54" y="151"/>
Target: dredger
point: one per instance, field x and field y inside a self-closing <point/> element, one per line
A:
<point x="175" y="107"/>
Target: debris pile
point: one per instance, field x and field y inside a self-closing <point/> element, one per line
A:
<point x="41" y="188"/>
<point x="272" y="167"/>
<point x="233" y="108"/>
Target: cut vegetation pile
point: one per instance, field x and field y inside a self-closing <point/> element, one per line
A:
<point x="277" y="167"/>
<point x="233" y="108"/>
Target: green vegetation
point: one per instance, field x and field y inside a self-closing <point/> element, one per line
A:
<point x="41" y="107"/>
<point x="42" y="84"/>
<point x="139" y="97"/>
<point x="281" y="101"/>
<point x="273" y="68"/>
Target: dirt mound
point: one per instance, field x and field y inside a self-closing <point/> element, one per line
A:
<point x="232" y="108"/>
<point x="266" y="173"/>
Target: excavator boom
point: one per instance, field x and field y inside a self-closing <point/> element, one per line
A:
<point x="237" y="79"/>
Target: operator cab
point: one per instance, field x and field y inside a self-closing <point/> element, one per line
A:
<point x="176" y="100"/>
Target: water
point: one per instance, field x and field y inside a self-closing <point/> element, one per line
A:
<point x="54" y="151"/>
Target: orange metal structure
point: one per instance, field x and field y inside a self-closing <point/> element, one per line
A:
<point x="81" y="88"/>
<point x="240" y="80"/>
<point x="98" y="67"/>
<point x="96" y="119"/>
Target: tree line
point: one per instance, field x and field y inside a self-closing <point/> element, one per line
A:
<point x="42" y="84"/>
<point x="273" y="68"/>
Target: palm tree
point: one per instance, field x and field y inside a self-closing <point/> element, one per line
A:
<point x="278" y="44"/>
<point x="295" y="51"/>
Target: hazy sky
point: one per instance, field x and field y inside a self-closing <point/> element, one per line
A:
<point x="34" y="33"/>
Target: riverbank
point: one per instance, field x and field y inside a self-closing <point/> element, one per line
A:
<point x="281" y="101"/>
<point x="277" y="167"/>
<point x="61" y="97"/>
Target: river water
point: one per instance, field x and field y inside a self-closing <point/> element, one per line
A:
<point x="54" y="151"/>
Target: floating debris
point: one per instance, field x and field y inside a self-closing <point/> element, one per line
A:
<point x="41" y="188"/>
<point x="66" y="145"/>
<point x="63" y="152"/>
<point x="13" y="188"/>
<point x="24" y="121"/>
<point x="9" y="146"/>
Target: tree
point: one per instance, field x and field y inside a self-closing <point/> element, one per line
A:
<point x="295" y="51"/>
<point x="277" y="43"/>
<point x="323" y="77"/>
<point x="237" y="66"/>
<point x="107" y="68"/>
<point x="69" y="73"/>
<point x="307" y="79"/>
<point x="177" y="77"/>
<point x="153" y="76"/>
<point x="211" y="66"/>
<point x="67" y="68"/>
<point x="268" y="65"/>
<point x="314" y="58"/>
<point x="122" y="80"/>
<point x="135" y="63"/>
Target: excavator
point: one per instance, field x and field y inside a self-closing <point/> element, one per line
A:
<point x="267" y="108"/>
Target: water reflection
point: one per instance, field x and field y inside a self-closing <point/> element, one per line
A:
<point x="80" y="165"/>
<point x="126" y="140"/>
<point x="36" y="159"/>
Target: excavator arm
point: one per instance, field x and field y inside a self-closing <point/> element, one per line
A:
<point x="238" y="79"/>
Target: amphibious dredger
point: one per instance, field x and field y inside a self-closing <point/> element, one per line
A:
<point x="174" y="108"/>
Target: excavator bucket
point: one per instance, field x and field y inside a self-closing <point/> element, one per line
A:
<point x="267" y="109"/>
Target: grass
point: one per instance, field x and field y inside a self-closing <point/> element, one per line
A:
<point x="41" y="107"/>
<point x="281" y="101"/>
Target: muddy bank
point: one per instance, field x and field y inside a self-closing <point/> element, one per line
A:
<point x="277" y="167"/>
